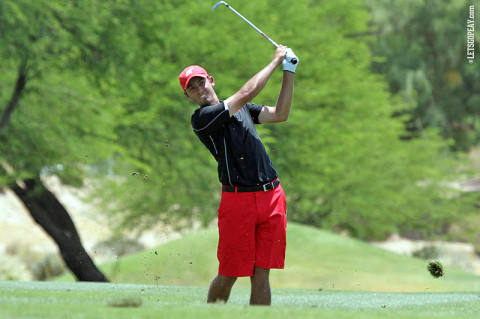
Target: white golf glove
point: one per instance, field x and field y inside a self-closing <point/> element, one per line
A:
<point x="287" y="62"/>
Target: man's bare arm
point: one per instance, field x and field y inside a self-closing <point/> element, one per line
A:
<point x="253" y="86"/>
<point x="280" y="112"/>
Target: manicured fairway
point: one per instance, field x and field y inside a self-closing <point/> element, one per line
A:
<point x="94" y="300"/>
<point x="316" y="259"/>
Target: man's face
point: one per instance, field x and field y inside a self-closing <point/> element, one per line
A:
<point x="200" y="91"/>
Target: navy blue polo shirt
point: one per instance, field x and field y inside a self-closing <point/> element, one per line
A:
<point x="235" y="144"/>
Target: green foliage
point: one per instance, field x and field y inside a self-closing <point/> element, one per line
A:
<point x="352" y="171"/>
<point x="103" y="98"/>
<point x="423" y="43"/>
<point x="61" y="117"/>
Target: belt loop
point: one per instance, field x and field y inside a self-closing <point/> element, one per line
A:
<point x="236" y="188"/>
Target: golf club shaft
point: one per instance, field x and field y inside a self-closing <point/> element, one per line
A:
<point x="252" y="25"/>
<point x="294" y="60"/>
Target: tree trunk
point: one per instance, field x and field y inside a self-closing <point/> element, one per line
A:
<point x="17" y="92"/>
<point x="49" y="213"/>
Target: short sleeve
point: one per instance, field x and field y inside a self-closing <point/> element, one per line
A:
<point x="254" y="110"/>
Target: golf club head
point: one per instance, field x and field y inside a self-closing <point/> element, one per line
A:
<point x="219" y="3"/>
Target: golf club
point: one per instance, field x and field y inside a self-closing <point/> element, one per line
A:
<point x="293" y="61"/>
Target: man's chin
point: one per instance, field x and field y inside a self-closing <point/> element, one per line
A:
<point x="206" y="103"/>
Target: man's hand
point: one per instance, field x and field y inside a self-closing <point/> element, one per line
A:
<point x="280" y="54"/>
<point x="253" y="86"/>
<point x="287" y="64"/>
<point x="280" y="112"/>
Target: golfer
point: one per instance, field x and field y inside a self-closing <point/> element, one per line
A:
<point x="252" y="214"/>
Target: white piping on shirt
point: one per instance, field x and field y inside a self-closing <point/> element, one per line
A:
<point x="200" y="129"/>
<point x="226" y="161"/>
<point x="211" y="139"/>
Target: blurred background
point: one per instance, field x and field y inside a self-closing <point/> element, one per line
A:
<point x="96" y="143"/>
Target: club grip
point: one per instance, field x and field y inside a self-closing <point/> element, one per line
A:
<point x="294" y="60"/>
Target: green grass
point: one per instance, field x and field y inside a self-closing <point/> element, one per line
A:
<point x="316" y="259"/>
<point x="96" y="300"/>
<point x="326" y="276"/>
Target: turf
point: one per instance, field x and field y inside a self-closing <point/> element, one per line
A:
<point x="326" y="276"/>
<point x="95" y="300"/>
<point x="315" y="259"/>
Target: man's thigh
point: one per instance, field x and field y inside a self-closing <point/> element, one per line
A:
<point x="270" y="236"/>
<point x="236" y="225"/>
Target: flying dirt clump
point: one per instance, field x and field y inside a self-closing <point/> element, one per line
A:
<point x="435" y="268"/>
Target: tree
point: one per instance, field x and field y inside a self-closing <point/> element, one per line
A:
<point x="50" y="214"/>
<point x="339" y="154"/>
<point x="117" y="64"/>
<point x="54" y="115"/>
<point x="421" y="49"/>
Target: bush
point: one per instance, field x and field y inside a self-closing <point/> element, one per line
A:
<point x="427" y="252"/>
<point x="12" y="268"/>
<point x="47" y="267"/>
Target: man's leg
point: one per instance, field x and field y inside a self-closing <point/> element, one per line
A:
<point x="261" y="294"/>
<point x="220" y="288"/>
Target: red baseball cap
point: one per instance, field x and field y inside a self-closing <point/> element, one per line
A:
<point x="189" y="72"/>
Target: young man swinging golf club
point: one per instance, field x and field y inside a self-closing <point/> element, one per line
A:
<point x="252" y="213"/>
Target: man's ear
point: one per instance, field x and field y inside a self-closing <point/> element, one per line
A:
<point x="186" y="94"/>
<point x="212" y="81"/>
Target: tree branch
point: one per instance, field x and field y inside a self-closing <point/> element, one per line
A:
<point x="17" y="93"/>
<point x="74" y="32"/>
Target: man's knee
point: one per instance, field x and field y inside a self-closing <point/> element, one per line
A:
<point x="260" y="274"/>
<point x="226" y="281"/>
<point x="220" y="288"/>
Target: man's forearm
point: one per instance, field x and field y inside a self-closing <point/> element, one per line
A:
<point x="258" y="81"/>
<point x="284" y="101"/>
<point x="251" y="89"/>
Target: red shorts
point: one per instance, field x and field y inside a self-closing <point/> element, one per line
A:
<point x="252" y="227"/>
